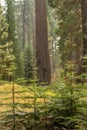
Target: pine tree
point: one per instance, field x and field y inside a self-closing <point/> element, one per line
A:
<point x="28" y="63"/>
<point x="24" y="28"/>
<point x="12" y="36"/>
<point x="6" y="53"/>
<point x="70" y="32"/>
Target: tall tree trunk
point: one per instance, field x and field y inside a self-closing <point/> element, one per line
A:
<point x="84" y="29"/>
<point x="11" y="19"/>
<point x="24" y="24"/>
<point x="42" y="53"/>
<point x="84" y="25"/>
<point x="82" y="69"/>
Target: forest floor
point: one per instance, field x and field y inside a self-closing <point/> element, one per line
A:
<point x="6" y="95"/>
<point x="23" y="96"/>
<point x="24" y="102"/>
<point x="29" y="99"/>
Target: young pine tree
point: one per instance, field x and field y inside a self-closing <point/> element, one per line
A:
<point x="6" y="53"/>
<point x="28" y="63"/>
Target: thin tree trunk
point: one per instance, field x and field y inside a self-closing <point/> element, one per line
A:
<point x="24" y="25"/>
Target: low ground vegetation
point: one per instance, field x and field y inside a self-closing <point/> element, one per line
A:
<point x="60" y="106"/>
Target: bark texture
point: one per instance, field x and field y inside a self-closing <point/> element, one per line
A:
<point x="42" y="51"/>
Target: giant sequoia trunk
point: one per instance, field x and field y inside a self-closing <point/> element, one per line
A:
<point x="42" y="53"/>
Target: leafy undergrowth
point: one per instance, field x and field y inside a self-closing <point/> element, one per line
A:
<point x="58" y="106"/>
<point x="23" y="96"/>
<point x="28" y="107"/>
<point x="6" y="95"/>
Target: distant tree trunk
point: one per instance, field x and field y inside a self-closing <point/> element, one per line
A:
<point x="84" y="29"/>
<point x="83" y="64"/>
<point x="11" y="19"/>
<point x="24" y="24"/>
<point x="42" y="53"/>
<point x="33" y="30"/>
<point x="84" y="25"/>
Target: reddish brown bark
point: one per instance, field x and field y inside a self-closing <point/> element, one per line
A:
<point x="42" y="51"/>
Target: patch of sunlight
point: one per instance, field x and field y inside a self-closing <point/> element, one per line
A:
<point x="49" y="93"/>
